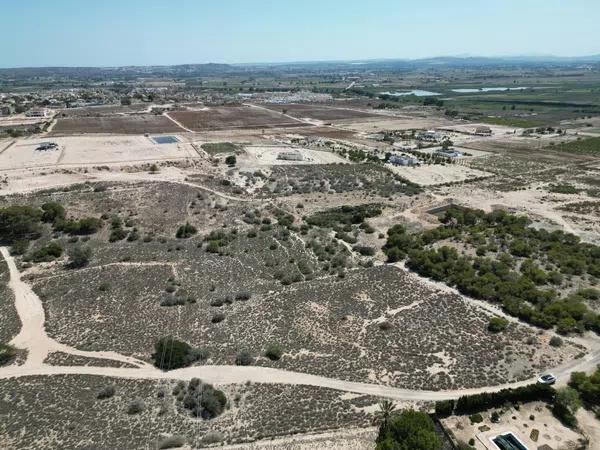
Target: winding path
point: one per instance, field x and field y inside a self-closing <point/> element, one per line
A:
<point x="35" y="340"/>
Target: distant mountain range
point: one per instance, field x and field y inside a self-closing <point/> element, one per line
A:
<point x="187" y="70"/>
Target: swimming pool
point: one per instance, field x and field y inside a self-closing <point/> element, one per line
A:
<point x="165" y="139"/>
<point x="509" y="441"/>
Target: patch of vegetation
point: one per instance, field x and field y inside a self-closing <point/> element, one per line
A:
<point x="219" y="147"/>
<point x="274" y="352"/>
<point x="170" y="353"/>
<point x="408" y="430"/>
<point x="528" y="292"/>
<point x="20" y="223"/>
<point x="79" y="256"/>
<point x="186" y="231"/>
<point x="244" y="358"/>
<point x="107" y="392"/>
<point x="7" y="354"/>
<point x="497" y="324"/>
<point x="587" y="146"/>
<point x="201" y="399"/>
<point x="512" y="122"/>
<point x="48" y="252"/>
<point x="564" y="189"/>
<point x="344" y="215"/>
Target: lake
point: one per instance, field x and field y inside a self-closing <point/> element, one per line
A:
<point x="415" y="92"/>
<point x="488" y="89"/>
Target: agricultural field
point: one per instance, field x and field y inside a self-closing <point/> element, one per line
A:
<point x="232" y="117"/>
<point x="324" y="113"/>
<point x="115" y="124"/>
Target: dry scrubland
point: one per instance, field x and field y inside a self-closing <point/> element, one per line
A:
<point x="246" y="294"/>
<point x="30" y="408"/>
<point x="9" y="325"/>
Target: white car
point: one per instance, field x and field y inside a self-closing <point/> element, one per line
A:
<point x="547" y="379"/>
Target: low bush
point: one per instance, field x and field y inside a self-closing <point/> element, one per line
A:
<point x="106" y="392"/>
<point x="476" y="418"/>
<point x="47" y="253"/>
<point x="274" y="352"/>
<point x="201" y="399"/>
<point x="171" y="442"/>
<point x="136" y="406"/>
<point x="79" y="256"/>
<point x="7" y="354"/>
<point x="170" y="353"/>
<point x="497" y="324"/>
<point x="186" y="231"/>
<point x="244" y="358"/>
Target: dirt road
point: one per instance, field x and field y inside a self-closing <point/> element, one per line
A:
<point x="34" y="339"/>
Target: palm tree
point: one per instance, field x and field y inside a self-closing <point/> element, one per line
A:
<point x="385" y="413"/>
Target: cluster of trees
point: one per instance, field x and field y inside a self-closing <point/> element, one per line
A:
<point x="201" y="399"/>
<point x="344" y="215"/>
<point x="21" y="224"/>
<point x="405" y="430"/>
<point x="522" y="287"/>
<point x="587" y="386"/>
<point x="171" y="353"/>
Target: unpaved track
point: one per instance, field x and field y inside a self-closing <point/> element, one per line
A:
<point x="34" y="339"/>
<point x="32" y="336"/>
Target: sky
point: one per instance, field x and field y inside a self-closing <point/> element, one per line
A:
<point x="161" y="32"/>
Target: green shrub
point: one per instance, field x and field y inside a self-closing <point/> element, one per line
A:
<point x="555" y="341"/>
<point x="408" y="430"/>
<point x="53" y="211"/>
<point x="79" y="256"/>
<point x="186" y="231"/>
<point x="7" y="354"/>
<point x="476" y="418"/>
<point x="19" y="223"/>
<point x="47" y="253"/>
<point x="244" y="358"/>
<point x="106" y="392"/>
<point x="19" y="247"/>
<point x="117" y="234"/>
<point x="497" y="324"/>
<point x="136" y="406"/>
<point x="444" y="408"/>
<point x="170" y="353"/>
<point x="274" y="352"/>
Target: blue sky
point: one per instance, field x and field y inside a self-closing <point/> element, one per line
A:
<point x="145" y="32"/>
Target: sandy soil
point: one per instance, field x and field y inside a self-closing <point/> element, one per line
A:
<point x="429" y="175"/>
<point x="91" y="150"/>
<point x="258" y="156"/>
<point x="358" y="439"/>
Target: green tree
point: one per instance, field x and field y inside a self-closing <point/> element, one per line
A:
<point x="409" y="430"/>
<point x="387" y="408"/>
<point x="79" y="256"/>
<point x="19" y="222"/>
<point x="231" y="160"/>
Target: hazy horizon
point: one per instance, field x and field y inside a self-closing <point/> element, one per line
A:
<point x="67" y="33"/>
